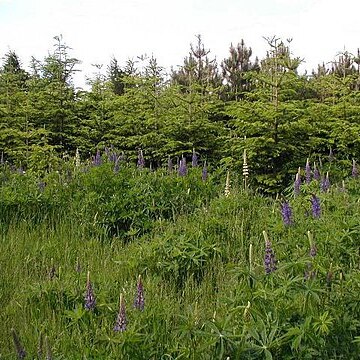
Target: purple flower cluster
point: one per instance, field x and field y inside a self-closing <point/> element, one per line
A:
<point x="141" y="160"/>
<point x="204" y="174"/>
<point x="286" y="213"/>
<point x="121" y="320"/>
<point x="97" y="159"/>
<point x="316" y="173"/>
<point x="194" y="159"/>
<point x="315" y="206"/>
<point x="170" y="165"/>
<point x="20" y="351"/>
<point x="269" y="258"/>
<point x="182" y="167"/>
<point x="325" y="183"/>
<point x="90" y="301"/>
<point x="139" y="302"/>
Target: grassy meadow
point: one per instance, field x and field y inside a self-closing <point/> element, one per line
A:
<point x="235" y="276"/>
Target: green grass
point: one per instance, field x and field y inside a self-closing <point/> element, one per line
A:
<point x="200" y="255"/>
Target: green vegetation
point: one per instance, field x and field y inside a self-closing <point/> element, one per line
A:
<point x="264" y="105"/>
<point x="213" y="287"/>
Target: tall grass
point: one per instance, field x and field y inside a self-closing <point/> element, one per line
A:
<point x="201" y="258"/>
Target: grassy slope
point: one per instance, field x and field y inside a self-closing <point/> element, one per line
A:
<point x="204" y="299"/>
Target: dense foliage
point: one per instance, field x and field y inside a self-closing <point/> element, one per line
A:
<point x="265" y="105"/>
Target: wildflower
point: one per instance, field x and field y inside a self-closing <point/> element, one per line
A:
<point x="325" y="183"/>
<point x="141" y="160"/>
<point x="121" y="321"/>
<point x="182" y="167"/>
<point x="312" y="251"/>
<point x="139" y="302"/>
<point x="354" y="172"/>
<point x="286" y="213"/>
<point x="77" y="158"/>
<point x="307" y="172"/>
<point x="194" y="159"/>
<point x="97" y="159"/>
<point x="204" y="174"/>
<point x="20" y="351"/>
<point x="227" y="184"/>
<point x="297" y="183"/>
<point x="316" y="173"/>
<point x="269" y="259"/>
<point x="245" y="169"/>
<point x="170" y="165"/>
<point x="315" y="206"/>
<point x="331" y="155"/>
<point x="90" y="300"/>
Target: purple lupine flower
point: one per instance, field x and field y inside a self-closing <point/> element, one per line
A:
<point x="204" y="174"/>
<point x="139" y="302"/>
<point x="325" y="183"/>
<point x="286" y="213"/>
<point x="269" y="258"/>
<point x="97" y="159"/>
<point x="20" y="351"/>
<point x="315" y="206"/>
<point x="182" y="167"/>
<point x="307" y="172"/>
<point x="170" y="165"/>
<point x="331" y="155"/>
<point x="121" y="321"/>
<point x="313" y="250"/>
<point x="90" y="301"/>
<point x="354" y="171"/>
<point x="297" y="184"/>
<point x="141" y="160"/>
<point x="194" y="159"/>
<point x="316" y="173"/>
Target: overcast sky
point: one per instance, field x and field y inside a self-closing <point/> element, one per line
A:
<point x="100" y="29"/>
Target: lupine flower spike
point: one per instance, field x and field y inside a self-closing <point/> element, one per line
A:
<point x="90" y="301"/>
<point x="204" y="172"/>
<point x="316" y="173"/>
<point x="227" y="184"/>
<point x="141" y="160"/>
<point x="97" y="159"/>
<point x="331" y="155"/>
<point x="77" y="158"/>
<point x="121" y="321"/>
<point x="139" y="302"/>
<point x="194" y="159"/>
<point x="315" y="206"/>
<point x="286" y="213"/>
<point x="20" y="351"/>
<point x="354" y="172"/>
<point x="269" y="259"/>
<point x="325" y="183"/>
<point x="170" y="165"/>
<point x="245" y="170"/>
<point x="307" y="171"/>
<point x="182" y="167"/>
<point x="297" y="184"/>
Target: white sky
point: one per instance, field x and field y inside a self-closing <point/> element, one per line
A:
<point x="100" y="29"/>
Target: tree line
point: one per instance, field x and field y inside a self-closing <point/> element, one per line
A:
<point x="264" y="105"/>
